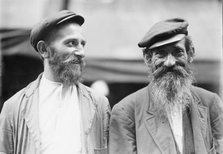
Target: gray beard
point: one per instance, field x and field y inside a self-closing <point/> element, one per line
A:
<point x="171" y="91"/>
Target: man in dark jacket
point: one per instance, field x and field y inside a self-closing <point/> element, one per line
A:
<point x="56" y="114"/>
<point x="170" y="115"/>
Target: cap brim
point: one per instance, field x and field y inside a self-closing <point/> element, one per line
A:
<point x="168" y="41"/>
<point x="75" y="18"/>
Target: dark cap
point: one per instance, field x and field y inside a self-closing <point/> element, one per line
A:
<point x="164" y="32"/>
<point x="42" y="29"/>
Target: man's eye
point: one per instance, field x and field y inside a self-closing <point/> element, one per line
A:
<point x="160" y="53"/>
<point x="178" y="53"/>
<point x="83" y="43"/>
<point x="72" y="43"/>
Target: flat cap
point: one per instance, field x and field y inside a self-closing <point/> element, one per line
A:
<point x="164" y="32"/>
<point x="42" y="29"/>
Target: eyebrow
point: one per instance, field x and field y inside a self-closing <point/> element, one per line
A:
<point x="75" y="39"/>
<point x="178" y="47"/>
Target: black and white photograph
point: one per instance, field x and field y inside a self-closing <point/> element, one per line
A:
<point x="111" y="77"/>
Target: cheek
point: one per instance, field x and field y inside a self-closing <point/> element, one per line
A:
<point x="61" y="54"/>
<point x="157" y="62"/>
<point x="64" y="56"/>
<point x="59" y="57"/>
<point x="183" y="60"/>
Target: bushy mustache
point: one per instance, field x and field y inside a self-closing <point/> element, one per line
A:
<point x="73" y="60"/>
<point x="179" y="69"/>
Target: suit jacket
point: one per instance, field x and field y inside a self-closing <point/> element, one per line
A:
<point x="19" y="123"/>
<point x="134" y="127"/>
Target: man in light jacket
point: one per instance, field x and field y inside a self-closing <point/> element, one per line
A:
<point x="56" y="113"/>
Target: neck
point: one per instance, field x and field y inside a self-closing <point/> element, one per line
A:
<point x="48" y="73"/>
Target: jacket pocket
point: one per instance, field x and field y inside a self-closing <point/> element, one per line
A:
<point x="101" y="151"/>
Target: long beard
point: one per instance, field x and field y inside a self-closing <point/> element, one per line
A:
<point x="67" y="68"/>
<point x="171" y="89"/>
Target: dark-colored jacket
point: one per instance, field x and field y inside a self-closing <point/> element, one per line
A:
<point x="134" y="128"/>
<point x="19" y="123"/>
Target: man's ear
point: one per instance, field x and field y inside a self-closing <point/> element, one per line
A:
<point x="42" y="49"/>
<point x="191" y="55"/>
<point x="190" y="59"/>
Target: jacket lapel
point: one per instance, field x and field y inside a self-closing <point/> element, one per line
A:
<point x="160" y="131"/>
<point x="199" y="124"/>
<point x="31" y="111"/>
<point x="87" y="108"/>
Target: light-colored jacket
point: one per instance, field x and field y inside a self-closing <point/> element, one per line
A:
<point x="134" y="128"/>
<point x="19" y="123"/>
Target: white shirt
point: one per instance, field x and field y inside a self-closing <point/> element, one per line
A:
<point x="176" y="123"/>
<point x="59" y="118"/>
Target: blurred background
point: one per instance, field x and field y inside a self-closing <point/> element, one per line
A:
<point x="113" y="28"/>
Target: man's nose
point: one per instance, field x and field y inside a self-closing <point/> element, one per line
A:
<point x="80" y="52"/>
<point x="170" y="61"/>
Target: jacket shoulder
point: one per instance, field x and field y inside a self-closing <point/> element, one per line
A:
<point x="202" y="91"/>
<point x="13" y="103"/>
<point x="11" y="107"/>
<point x="14" y="100"/>
<point x="206" y="97"/>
